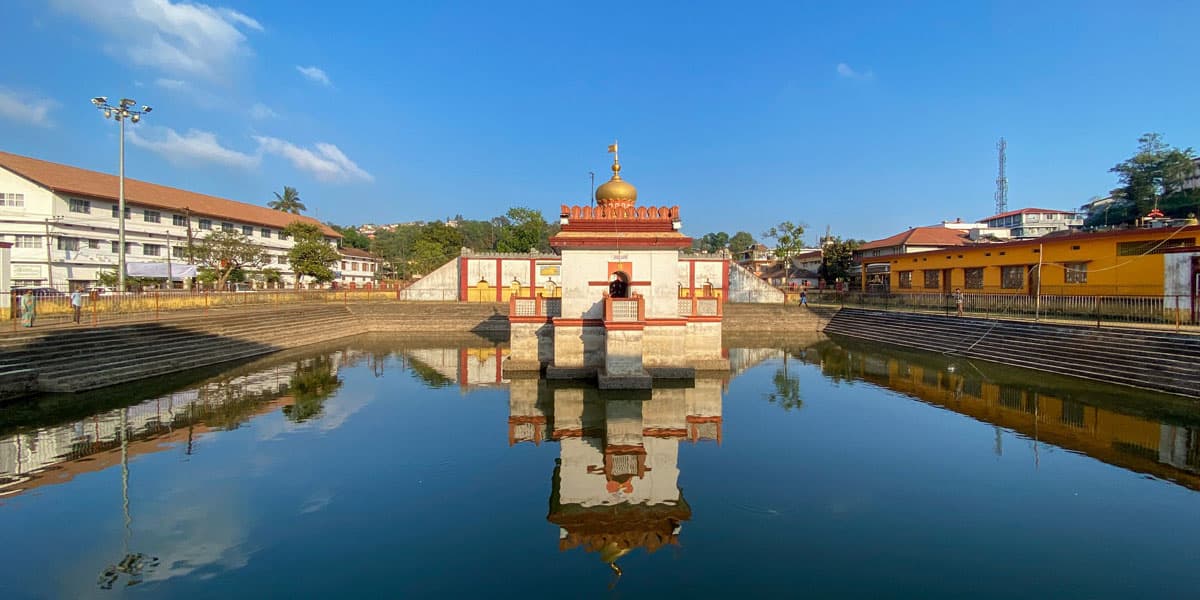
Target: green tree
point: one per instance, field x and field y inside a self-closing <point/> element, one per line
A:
<point x="227" y="251"/>
<point x="525" y="230"/>
<point x="352" y="237"/>
<point x="741" y="242"/>
<point x="711" y="242"/>
<point x="478" y="235"/>
<point x="288" y="202"/>
<point x="789" y="239"/>
<point x="1153" y="173"/>
<point x="837" y="259"/>
<point x="310" y="255"/>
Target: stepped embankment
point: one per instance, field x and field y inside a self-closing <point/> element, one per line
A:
<point x="1150" y="359"/>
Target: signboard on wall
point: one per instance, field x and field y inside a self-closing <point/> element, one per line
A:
<point x="549" y="270"/>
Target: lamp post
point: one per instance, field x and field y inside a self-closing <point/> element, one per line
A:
<point x="124" y="110"/>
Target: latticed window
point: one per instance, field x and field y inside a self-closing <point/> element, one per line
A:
<point x="906" y="280"/>
<point x="933" y="279"/>
<point x="974" y="278"/>
<point x="1012" y="278"/>
<point x="1075" y="272"/>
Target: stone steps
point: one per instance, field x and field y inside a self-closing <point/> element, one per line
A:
<point x="75" y="360"/>
<point x="1141" y="358"/>
<point x="1089" y="352"/>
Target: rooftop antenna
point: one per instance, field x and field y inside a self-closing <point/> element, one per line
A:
<point x="1002" y="179"/>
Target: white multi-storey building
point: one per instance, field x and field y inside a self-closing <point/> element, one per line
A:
<point x="62" y="223"/>
<point x="358" y="267"/>
<point x="1034" y="222"/>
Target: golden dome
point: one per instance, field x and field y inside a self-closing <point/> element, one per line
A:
<point x="616" y="191"/>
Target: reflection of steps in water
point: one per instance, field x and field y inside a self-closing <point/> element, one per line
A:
<point x="1072" y="414"/>
<point x="26" y="457"/>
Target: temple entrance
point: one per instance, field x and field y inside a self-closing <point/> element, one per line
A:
<point x="618" y="286"/>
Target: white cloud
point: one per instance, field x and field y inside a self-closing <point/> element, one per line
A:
<point x="26" y="108"/>
<point x="173" y="37"/>
<point x="327" y="163"/>
<point x="193" y="147"/>
<point x="315" y="75"/>
<point x="846" y="71"/>
<point x="261" y="112"/>
<point x="170" y="84"/>
<point x="238" y="17"/>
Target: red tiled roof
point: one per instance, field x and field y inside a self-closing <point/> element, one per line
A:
<point x="92" y="184"/>
<point x="1028" y="211"/>
<point x="921" y="236"/>
<point x="355" y="252"/>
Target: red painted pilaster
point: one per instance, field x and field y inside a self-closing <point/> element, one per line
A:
<point x="499" y="279"/>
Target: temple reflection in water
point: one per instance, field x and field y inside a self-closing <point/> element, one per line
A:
<point x="616" y="482"/>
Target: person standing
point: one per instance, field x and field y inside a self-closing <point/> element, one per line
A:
<point x="76" y="303"/>
<point x="28" y="308"/>
<point x="958" y="300"/>
<point x="804" y="297"/>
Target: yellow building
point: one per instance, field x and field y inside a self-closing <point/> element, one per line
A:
<point x="1158" y="262"/>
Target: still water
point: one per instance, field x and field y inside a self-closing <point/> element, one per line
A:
<point x="372" y="468"/>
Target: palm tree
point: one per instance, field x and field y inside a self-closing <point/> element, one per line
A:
<point x="289" y="202"/>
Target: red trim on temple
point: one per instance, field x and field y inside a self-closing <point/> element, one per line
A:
<point x="677" y="242"/>
<point x="568" y="322"/>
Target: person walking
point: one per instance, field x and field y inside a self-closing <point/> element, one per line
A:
<point x="804" y="297"/>
<point x="76" y="303"/>
<point x="958" y="300"/>
<point x="28" y="308"/>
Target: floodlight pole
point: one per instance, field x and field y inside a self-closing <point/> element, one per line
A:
<point x="123" y="110"/>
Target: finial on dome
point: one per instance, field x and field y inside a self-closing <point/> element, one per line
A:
<point x="616" y="192"/>
<point x="616" y="166"/>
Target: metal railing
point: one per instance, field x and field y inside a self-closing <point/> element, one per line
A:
<point x="1172" y="310"/>
<point x="51" y="308"/>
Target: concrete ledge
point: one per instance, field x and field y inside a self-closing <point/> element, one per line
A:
<point x="522" y="366"/>
<point x="641" y="381"/>
<point x="671" y="372"/>
<point x="556" y="372"/>
<point x="715" y="364"/>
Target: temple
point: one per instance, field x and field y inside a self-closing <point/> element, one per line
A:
<point x="620" y="314"/>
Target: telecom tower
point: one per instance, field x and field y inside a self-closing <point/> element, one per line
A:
<point x="1002" y="180"/>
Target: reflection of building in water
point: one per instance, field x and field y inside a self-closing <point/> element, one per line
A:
<point x="468" y="367"/>
<point x="1055" y="416"/>
<point x="51" y="455"/>
<point x="615" y="487"/>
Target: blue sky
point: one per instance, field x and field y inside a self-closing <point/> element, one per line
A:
<point x="867" y="117"/>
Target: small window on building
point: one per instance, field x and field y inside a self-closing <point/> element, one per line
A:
<point x="1012" y="278"/>
<point x="905" y="280"/>
<point x="116" y="208"/>
<point x="933" y="279"/>
<point x="205" y="224"/>
<point x="179" y="252"/>
<point x="283" y="235"/>
<point x="179" y="220"/>
<point x="226" y="226"/>
<point x="973" y="278"/>
<point x="28" y="241"/>
<point x="69" y="244"/>
<point x="151" y="216"/>
<point x="247" y="230"/>
<point x="1074" y="247"/>
<point x="78" y="205"/>
<point x="1076" y="272"/>
<point x="93" y="244"/>
<point x="151" y="250"/>
<point x="265" y="232"/>
<point x="12" y="200"/>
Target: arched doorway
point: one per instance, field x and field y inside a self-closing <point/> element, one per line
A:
<point x="618" y="285"/>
